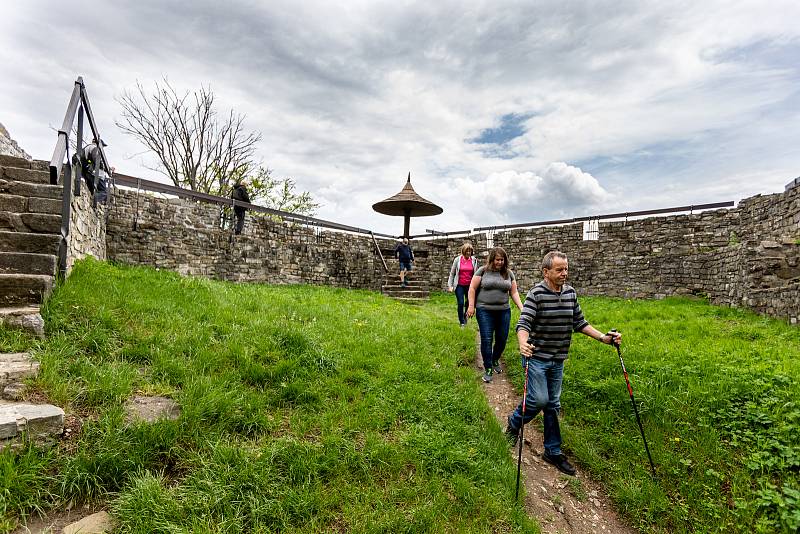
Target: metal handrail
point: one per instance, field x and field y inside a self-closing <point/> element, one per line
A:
<point x="78" y="105"/>
<point x="158" y="187"/>
<point x="79" y="96"/>
<point x="611" y="216"/>
<point x="380" y="254"/>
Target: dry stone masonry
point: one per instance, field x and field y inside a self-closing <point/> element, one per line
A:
<point x="185" y="236"/>
<point x="30" y="232"/>
<point x="745" y="256"/>
<point x="9" y="147"/>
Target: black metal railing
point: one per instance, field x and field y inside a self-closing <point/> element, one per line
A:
<point x="380" y="254"/>
<point x="61" y="163"/>
<point x="621" y="215"/>
<point x="158" y="187"/>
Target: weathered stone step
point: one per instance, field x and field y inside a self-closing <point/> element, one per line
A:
<point x="25" y="318"/>
<point x="406" y="293"/>
<point x="29" y="242"/>
<point x="397" y="286"/>
<point x="12" y="161"/>
<point x="25" y="175"/>
<point x="29" y="189"/>
<point x="43" y="223"/>
<point x="38" y="421"/>
<point x="17" y="366"/>
<point x="18" y="289"/>
<point x="27" y="263"/>
<point x="394" y="264"/>
<point x="395" y="278"/>
<point x="20" y="204"/>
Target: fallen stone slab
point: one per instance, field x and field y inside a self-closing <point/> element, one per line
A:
<point x="17" y="366"/>
<point x="38" y="420"/>
<point x="151" y="409"/>
<point x="98" y="523"/>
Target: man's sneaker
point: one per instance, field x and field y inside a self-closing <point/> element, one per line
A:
<point x="561" y="462"/>
<point x="512" y="434"/>
<point x="496" y="368"/>
<point x="487" y="376"/>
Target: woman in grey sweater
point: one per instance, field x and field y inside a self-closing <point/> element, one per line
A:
<point x="489" y="292"/>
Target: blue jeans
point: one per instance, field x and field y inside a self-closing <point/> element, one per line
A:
<point x="461" y="296"/>
<point x="493" y="324"/>
<point x="544" y="393"/>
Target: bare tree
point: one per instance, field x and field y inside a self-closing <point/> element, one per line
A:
<point x="196" y="149"/>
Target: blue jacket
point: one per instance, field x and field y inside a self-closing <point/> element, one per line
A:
<point x="404" y="253"/>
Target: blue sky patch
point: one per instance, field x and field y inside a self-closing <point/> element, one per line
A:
<point x="511" y="127"/>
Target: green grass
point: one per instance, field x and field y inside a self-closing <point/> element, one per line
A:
<point x="310" y="409"/>
<point x="304" y="409"/>
<point x="717" y="390"/>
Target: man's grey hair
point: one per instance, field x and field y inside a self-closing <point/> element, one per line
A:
<point x="547" y="262"/>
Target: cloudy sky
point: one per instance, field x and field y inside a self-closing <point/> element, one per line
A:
<point x="504" y="112"/>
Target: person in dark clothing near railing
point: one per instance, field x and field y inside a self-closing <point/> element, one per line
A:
<point x="404" y="253"/>
<point x="239" y="194"/>
<point x="91" y="161"/>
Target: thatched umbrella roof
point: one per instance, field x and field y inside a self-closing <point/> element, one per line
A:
<point x="407" y="203"/>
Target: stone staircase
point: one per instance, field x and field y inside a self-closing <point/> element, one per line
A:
<point x="30" y="225"/>
<point x="37" y="421"/>
<point x="30" y="231"/>
<point x="418" y="288"/>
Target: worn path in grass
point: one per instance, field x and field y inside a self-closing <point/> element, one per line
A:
<point x="561" y="504"/>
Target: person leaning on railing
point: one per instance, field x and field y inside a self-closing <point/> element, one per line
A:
<point x="91" y="161"/>
<point x="239" y="193"/>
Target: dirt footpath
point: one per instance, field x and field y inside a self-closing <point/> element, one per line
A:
<point x="560" y="503"/>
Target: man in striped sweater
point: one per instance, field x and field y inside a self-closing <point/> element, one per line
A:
<point x="549" y="316"/>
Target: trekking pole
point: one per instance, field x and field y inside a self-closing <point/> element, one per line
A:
<point x="522" y="428"/>
<point x="633" y="402"/>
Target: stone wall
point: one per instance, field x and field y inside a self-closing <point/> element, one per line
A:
<point x="87" y="229"/>
<point x="186" y="237"/>
<point x="9" y="147"/>
<point x="745" y="256"/>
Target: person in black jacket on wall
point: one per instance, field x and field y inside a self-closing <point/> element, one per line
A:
<point x="239" y="193"/>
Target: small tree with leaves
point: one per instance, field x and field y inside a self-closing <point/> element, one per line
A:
<point x="275" y="193"/>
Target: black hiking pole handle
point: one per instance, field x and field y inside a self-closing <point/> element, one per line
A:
<point x="633" y="401"/>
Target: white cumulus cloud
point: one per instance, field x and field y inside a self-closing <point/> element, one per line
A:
<point x="558" y="190"/>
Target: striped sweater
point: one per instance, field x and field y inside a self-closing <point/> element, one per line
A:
<point x="550" y="318"/>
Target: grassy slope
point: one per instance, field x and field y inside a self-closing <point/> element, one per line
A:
<point x="317" y="409"/>
<point x="718" y="393"/>
<point x="304" y="410"/>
